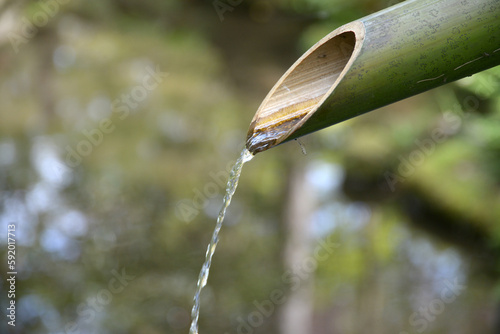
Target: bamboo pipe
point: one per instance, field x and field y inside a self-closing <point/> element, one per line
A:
<point x="382" y="58"/>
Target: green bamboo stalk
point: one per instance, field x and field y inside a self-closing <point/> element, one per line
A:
<point x="382" y="58"/>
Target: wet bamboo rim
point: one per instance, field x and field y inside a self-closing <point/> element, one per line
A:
<point x="398" y="52"/>
<point x="304" y="87"/>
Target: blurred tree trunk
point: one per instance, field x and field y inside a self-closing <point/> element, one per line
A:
<point x="296" y="313"/>
<point x="370" y="291"/>
<point x="46" y="44"/>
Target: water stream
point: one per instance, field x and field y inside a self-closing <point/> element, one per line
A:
<point x="231" y="186"/>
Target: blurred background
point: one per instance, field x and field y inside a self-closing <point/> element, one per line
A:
<point x="119" y="121"/>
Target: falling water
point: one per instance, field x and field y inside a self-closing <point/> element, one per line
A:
<point x="232" y="183"/>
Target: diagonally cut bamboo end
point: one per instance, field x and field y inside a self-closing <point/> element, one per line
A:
<point x="304" y="87"/>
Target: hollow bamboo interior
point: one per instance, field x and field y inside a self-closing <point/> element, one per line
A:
<point x="304" y="87"/>
<point x="390" y="55"/>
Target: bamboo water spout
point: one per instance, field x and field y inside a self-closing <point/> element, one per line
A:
<point x="382" y="58"/>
